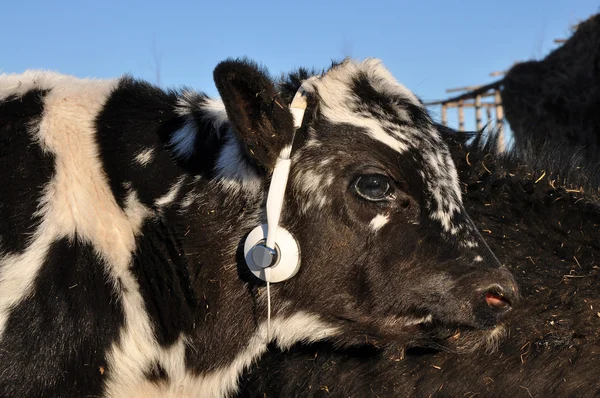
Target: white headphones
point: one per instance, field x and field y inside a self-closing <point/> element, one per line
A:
<point x="271" y="252"/>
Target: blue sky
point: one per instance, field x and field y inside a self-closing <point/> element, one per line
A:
<point x="428" y="45"/>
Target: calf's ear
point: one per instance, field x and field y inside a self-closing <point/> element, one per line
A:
<point x="256" y="112"/>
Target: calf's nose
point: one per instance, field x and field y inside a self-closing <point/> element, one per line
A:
<point x="498" y="296"/>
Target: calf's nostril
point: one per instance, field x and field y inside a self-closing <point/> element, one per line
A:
<point x="499" y="298"/>
<point x="497" y="301"/>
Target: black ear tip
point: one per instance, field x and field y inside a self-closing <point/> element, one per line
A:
<point x="242" y="70"/>
<point x="229" y="64"/>
<point x="225" y="70"/>
<point x="235" y="65"/>
<point x="249" y="95"/>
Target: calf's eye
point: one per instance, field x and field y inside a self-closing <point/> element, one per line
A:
<point x="374" y="187"/>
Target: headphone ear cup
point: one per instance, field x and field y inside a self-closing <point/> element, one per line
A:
<point x="288" y="250"/>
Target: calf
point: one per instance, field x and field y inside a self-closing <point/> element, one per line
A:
<point x="547" y="233"/>
<point x="125" y="208"/>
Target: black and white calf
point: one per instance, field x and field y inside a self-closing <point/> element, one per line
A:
<point x="124" y="207"/>
<point x="547" y="233"/>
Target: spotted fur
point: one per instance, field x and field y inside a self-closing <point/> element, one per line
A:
<point x="543" y="229"/>
<point x="125" y="207"/>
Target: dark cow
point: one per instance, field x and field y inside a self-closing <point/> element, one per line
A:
<point x="546" y="231"/>
<point x="125" y="207"/>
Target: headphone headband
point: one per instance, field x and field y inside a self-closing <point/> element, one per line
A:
<point x="281" y="172"/>
<point x="265" y="254"/>
<point x="297" y="108"/>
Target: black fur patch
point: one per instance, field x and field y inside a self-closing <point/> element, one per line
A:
<point x="56" y="339"/>
<point x="161" y="269"/>
<point x="139" y="116"/>
<point x="25" y="169"/>
<point x="208" y="140"/>
<point x="379" y="105"/>
<point x="157" y="374"/>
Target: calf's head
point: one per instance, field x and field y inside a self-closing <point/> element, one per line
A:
<point x="373" y="200"/>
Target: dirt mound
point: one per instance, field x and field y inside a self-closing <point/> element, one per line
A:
<point x="558" y="98"/>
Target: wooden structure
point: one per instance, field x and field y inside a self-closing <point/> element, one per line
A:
<point x="474" y="97"/>
<point x="478" y="97"/>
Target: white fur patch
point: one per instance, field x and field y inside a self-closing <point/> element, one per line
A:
<point x="223" y="382"/>
<point x="187" y="102"/>
<point x="379" y="221"/>
<point x="403" y="321"/>
<point x="478" y="259"/>
<point x="189" y="198"/>
<point x="213" y="107"/>
<point x="215" y="112"/>
<point x="19" y="84"/>
<point x="170" y="196"/>
<point x="135" y="211"/>
<point x="311" y="142"/>
<point x="78" y="202"/>
<point x="300" y="327"/>
<point x="337" y="97"/>
<point x="311" y="183"/>
<point x="444" y="186"/>
<point x="324" y="163"/>
<point x="339" y="104"/>
<point x="145" y="156"/>
<point x="183" y="141"/>
<point x="487" y="340"/>
<point x="233" y="171"/>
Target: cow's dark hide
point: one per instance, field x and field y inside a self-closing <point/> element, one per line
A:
<point x="557" y="98"/>
<point x="542" y="228"/>
<point x="124" y="208"/>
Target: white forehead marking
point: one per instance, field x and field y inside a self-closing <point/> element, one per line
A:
<point x="478" y="259"/>
<point x="379" y="221"/>
<point x="340" y="104"/>
<point x="341" y="77"/>
<point x="335" y="91"/>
